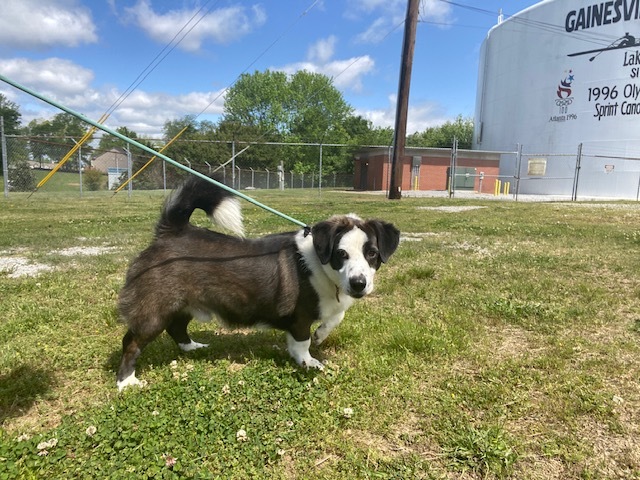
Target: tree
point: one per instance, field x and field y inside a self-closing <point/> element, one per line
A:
<point x="258" y="100"/>
<point x="107" y="142"/>
<point x="19" y="174"/>
<point x="94" y="179"/>
<point x="362" y="132"/>
<point x="192" y="148"/>
<point x="443" y="135"/>
<point x="303" y="107"/>
<point x="52" y="139"/>
<point x="11" y="114"/>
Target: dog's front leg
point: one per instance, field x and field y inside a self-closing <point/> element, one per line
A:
<point x="327" y="326"/>
<point x="299" y="351"/>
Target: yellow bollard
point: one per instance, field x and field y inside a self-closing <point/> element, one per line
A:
<point x="496" y="190"/>
<point x="507" y="185"/>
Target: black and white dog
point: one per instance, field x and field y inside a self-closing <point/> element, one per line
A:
<point x="287" y="281"/>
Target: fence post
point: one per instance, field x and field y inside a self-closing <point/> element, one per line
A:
<point x="80" y="166"/>
<point x="281" y="176"/>
<point x="5" y="160"/>
<point x="129" y="172"/>
<point x="518" y="168"/>
<point x="574" y="193"/>
<point x="233" y="165"/>
<point x="452" y="168"/>
<point x="320" y="170"/>
<point x="164" y="177"/>
<point x="267" y="170"/>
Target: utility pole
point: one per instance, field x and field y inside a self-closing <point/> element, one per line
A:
<point x="402" y="106"/>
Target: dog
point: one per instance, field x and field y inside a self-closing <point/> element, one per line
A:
<point x="287" y="281"/>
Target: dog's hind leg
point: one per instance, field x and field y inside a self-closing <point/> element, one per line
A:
<point x="177" y="329"/>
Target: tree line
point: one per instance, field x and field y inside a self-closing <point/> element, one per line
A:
<point x="266" y="109"/>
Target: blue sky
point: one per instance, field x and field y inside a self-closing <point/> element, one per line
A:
<point x="87" y="53"/>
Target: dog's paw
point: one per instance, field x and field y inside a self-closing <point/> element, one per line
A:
<point x="312" y="363"/>
<point x="191" y="346"/>
<point x="130" y="381"/>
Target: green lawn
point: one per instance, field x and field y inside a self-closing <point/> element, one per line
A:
<point x="501" y="342"/>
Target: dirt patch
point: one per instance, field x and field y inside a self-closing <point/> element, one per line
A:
<point x="611" y="206"/>
<point x="471" y="248"/>
<point x="419" y="236"/>
<point x="452" y="209"/>
<point x="17" y="265"/>
<point x="511" y="342"/>
<point x="83" y="251"/>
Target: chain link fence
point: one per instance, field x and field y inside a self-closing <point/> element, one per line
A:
<point x="28" y="160"/>
<point x="592" y="171"/>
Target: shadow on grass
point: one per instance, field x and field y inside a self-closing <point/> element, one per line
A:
<point x="237" y="347"/>
<point x="20" y="388"/>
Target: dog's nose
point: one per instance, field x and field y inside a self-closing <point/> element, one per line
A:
<point x="358" y="283"/>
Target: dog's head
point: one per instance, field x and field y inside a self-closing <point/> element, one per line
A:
<point x="351" y="250"/>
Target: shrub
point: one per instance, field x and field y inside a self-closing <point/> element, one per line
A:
<point x="93" y="179"/>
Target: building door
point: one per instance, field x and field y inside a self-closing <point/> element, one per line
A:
<point x="364" y="175"/>
<point x="465" y="178"/>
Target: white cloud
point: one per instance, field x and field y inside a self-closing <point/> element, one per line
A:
<point x="435" y="11"/>
<point x="72" y="86"/>
<point x="146" y="112"/>
<point x="420" y="117"/>
<point x="369" y="6"/>
<point x="40" y="25"/>
<point x="388" y="15"/>
<point x="322" y="50"/>
<point x="53" y="75"/>
<point x="346" y="74"/>
<point x="223" y="26"/>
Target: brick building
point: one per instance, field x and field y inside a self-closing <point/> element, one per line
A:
<point x="427" y="169"/>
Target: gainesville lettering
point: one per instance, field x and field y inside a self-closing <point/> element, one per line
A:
<point x="603" y="13"/>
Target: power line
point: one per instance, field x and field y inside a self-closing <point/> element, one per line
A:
<point x="166" y="50"/>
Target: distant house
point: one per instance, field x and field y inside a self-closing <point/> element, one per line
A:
<point x="114" y="163"/>
<point x="427" y="169"/>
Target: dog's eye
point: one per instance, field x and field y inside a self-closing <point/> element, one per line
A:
<point x="342" y="254"/>
<point x="371" y="253"/>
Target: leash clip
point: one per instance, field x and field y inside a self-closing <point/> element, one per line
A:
<point x="307" y="230"/>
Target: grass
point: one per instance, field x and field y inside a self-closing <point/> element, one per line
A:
<point x="502" y="342"/>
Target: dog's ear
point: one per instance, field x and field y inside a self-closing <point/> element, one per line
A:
<point x="388" y="238"/>
<point x="323" y="235"/>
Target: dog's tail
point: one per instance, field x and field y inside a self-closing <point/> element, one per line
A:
<point x="220" y="205"/>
